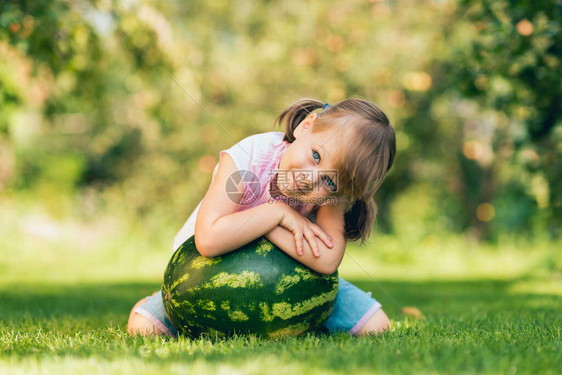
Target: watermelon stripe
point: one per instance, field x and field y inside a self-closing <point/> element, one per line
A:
<point x="285" y="282"/>
<point x="202" y="261"/>
<point x="307" y="275"/>
<point x="243" y="280"/>
<point x="293" y="330"/>
<point x="179" y="281"/>
<point x="285" y="311"/>
<point x="238" y="316"/>
<point x="207" y="305"/>
<point x="264" y="247"/>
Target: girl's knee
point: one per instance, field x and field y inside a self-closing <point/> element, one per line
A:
<point x="139" y="324"/>
<point x="376" y="324"/>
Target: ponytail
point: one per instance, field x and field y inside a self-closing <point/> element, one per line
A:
<point x="295" y="114"/>
<point x="359" y="220"/>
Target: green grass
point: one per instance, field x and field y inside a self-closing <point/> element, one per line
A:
<point x="476" y="326"/>
<point x="64" y="305"/>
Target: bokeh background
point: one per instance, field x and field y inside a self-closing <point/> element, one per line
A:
<point x="113" y="113"/>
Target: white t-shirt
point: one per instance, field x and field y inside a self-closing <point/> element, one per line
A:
<point x="259" y="154"/>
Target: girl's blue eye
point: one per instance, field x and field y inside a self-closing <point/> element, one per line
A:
<point x="331" y="184"/>
<point x="316" y="156"/>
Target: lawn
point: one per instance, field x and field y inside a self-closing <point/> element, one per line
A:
<point x="64" y="303"/>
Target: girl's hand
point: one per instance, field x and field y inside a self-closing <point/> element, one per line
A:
<point x="301" y="227"/>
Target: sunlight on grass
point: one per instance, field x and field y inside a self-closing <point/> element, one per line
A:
<point x="135" y="366"/>
<point x="448" y="257"/>
<point x="37" y="247"/>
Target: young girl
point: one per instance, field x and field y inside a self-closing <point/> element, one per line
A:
<point x="307" y="190"/>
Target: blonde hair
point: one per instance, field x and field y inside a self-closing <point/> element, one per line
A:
<point x="367" y="152"/>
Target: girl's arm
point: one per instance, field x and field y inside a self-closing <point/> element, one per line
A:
<point x="331" y="219"/>
<point x="218" y="228"/>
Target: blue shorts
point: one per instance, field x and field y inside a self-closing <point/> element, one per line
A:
<point x="352" y="310"/>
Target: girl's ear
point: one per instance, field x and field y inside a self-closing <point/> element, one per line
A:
<point x="311" y="118"/>
<point x="305" y="124"/>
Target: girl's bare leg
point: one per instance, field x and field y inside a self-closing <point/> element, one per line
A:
<point x="139" y="324"/>
<point x="376" y="324"/>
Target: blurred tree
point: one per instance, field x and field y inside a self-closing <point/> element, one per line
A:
<point x="512" y="66"/>
<point x="50" y="69"/>
<point x="135" y="99"/>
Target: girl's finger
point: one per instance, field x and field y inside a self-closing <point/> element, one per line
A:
<point x="298" y="242"/>
<point x="311" y="238"/>
<point x="319" y="232"/>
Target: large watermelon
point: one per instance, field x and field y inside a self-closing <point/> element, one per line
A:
<point x="256" y="289"/>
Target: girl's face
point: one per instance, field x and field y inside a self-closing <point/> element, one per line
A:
<point x="306" y="170"/>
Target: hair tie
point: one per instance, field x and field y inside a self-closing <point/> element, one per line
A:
<point x="325" y="106"/>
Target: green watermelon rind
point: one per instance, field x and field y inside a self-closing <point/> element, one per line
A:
<point x="221" y="304"/>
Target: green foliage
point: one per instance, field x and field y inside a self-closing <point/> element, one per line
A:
<point x="512" y="66"/>
<point x="142" y="95"/>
